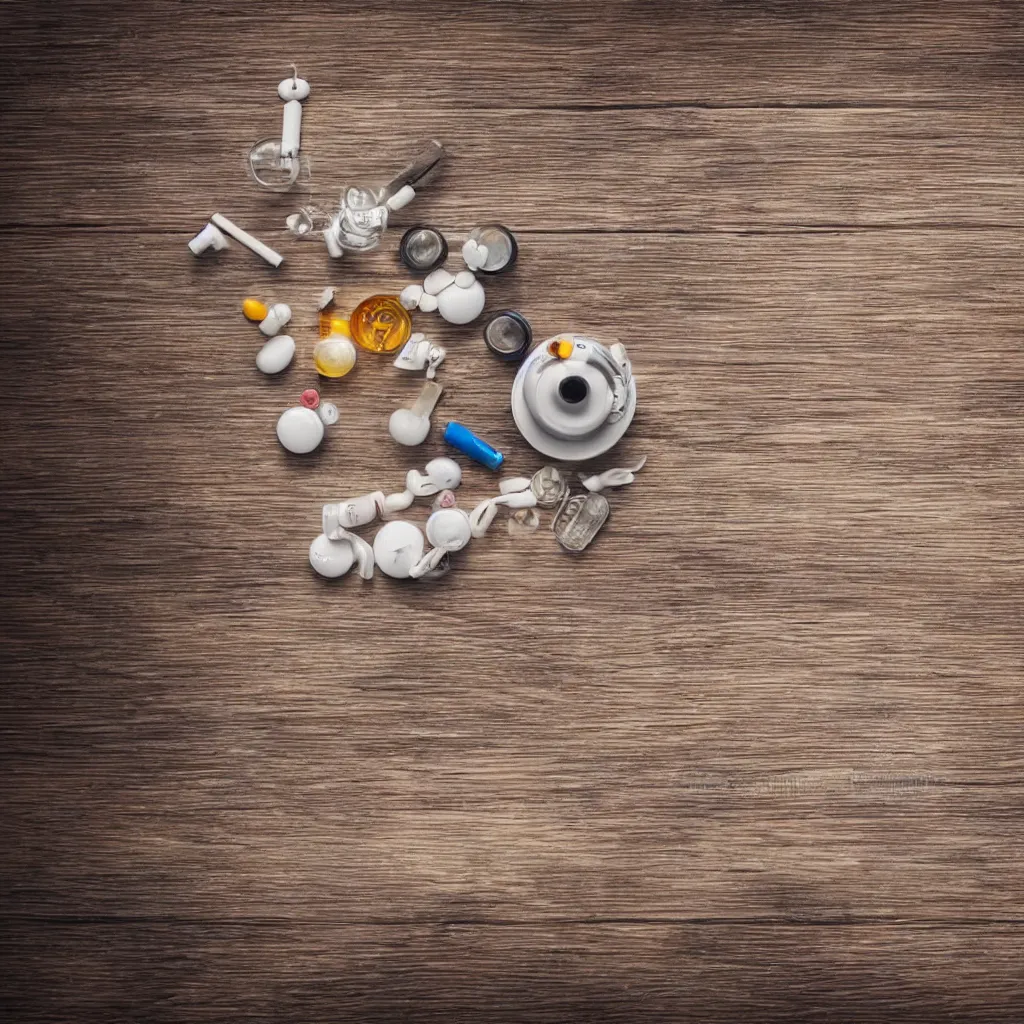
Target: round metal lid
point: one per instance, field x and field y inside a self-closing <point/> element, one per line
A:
<point x="423" y="249"/>
<point x="508" y="335"/>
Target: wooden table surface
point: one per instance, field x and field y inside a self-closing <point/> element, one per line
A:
<point x="756" y="756"/>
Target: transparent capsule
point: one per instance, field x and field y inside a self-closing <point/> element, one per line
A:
<point x="523" y="522"/>
<point x="579" y="520"/>
<point x="549" y="486"/>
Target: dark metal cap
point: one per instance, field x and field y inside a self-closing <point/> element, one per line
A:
<point x="503" y="249"/>
<point x="423" y="249"/>
<point x="508" y="335"/>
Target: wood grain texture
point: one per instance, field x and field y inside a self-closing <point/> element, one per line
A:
<point x="756" y="756"/>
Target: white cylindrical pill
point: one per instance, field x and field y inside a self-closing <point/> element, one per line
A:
<point x="352" y="512"/>
<point x="403" y="197"/>
<point x="291" y="129"/>
<point x="275" y="259"/>
<point x="519" y="499"/>
<point x="277" y="316"/>
<point x="398" y="501"/>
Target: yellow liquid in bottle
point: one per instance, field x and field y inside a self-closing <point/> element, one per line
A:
<point x="380" y="323"/>
<point x="331" y="323"/>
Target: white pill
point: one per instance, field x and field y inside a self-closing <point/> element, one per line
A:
<point x="397" y="547"/>
<point x="474" y="254"/>
<point x="465" y="279"/>
<point x="352" y="512"/>
<point x="276" y="354"/>
<point x="407" y="428"/>
<point x="293" y="89"/>
<point x="515" y="483"/>
<point x="444" y="472"/>
<point x="437" y="281"/>
<point x="460" y="305"/>
<point x="448" y="528"/>
<point x="330" y="558"/>
<point x="326" y="296"/>
<point x="403" y="197"/>
<point x="410" y="295"/>
<point x="277" y="316"/>
<point x="328" y="413"/>
<point x="428" y="303"/>
<point x="291" y="130"/>
<point x="299" y="429"/>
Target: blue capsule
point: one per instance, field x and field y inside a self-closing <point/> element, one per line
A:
<point x="469" y="444"/>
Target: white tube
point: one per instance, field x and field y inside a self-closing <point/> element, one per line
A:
<point x="331" y="238"/>
<point x="208" y="238"/>
<point x="403" y="197"/>
<point x="291" y="129"/>
<point x="275" y="259"/>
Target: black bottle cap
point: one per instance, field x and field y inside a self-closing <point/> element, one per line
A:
<point x="508" y="335"/>
<point x="423" y="249"/>
<point x="503" y="249"/>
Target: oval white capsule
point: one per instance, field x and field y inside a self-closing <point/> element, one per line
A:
<point x="276" y="354"/>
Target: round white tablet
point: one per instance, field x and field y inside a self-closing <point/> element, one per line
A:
<point x="299" y="429"/>
<point x="397" y="547"/>
<point x="330" y="558"/>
